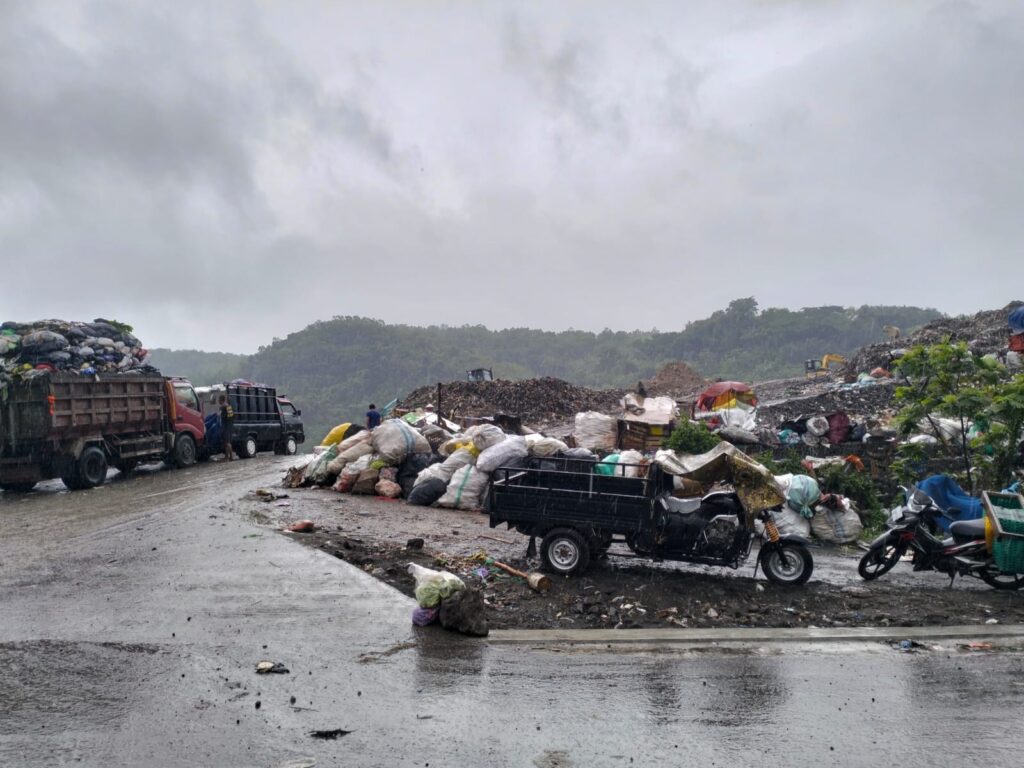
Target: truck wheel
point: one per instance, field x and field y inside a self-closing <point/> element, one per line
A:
<point x="564" y="551"/>
<point x="17" y="487"/>
<point x="91" y="469"/>
<point x="290" y="446"/>
<point x="248" y="448"/>
<point x="184" y="451"/>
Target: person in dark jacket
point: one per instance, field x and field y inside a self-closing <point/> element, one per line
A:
<point x="372" y="417"/>
<point x="227" y="424"/>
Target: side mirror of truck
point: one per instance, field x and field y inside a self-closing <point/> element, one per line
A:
<point x="298" y="412"/>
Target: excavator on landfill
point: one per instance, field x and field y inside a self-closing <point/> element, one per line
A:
<point x="814" y="369"/>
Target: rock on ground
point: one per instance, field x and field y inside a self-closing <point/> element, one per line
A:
<point x="465" y="612"/>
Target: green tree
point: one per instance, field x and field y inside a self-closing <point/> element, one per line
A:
<point x="1003" y="422"/>
<point x="945" y="380"/>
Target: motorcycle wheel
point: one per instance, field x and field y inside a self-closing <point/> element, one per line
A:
<point x="1000" y="580"/>
<point x="879" y="561"/>
<point x="788" y="564"/>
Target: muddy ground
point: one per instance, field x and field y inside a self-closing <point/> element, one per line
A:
<point x="622" y="592"/>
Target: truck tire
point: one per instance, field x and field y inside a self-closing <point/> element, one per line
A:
<point x="184" y="451"/>
<point x="248" y="448"/>
<point x="17" y="487"/>
<point x="89" y="471"/>
<point x="565" y="552"/>
<point x="289" y="446"/>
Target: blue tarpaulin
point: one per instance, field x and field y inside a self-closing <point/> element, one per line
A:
<point x="213" y="432"/>
<point x="1017" y="321"/>
<point x="952" y="499"/>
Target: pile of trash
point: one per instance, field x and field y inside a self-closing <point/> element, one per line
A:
<point x="102" y="346"/>
<point x="677" y="380"/>
<point x="535" y="401"/>
<point x="986" y="333"/>
<point x="426" y="466"/>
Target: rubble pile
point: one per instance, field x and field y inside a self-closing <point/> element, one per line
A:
<point x="102" y="346"/>
<point x="677" y="380"/>
<point x="986" y="332"/>
<point x="535" y="401"/>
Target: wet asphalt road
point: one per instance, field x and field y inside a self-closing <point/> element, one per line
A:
<point x="131" y="618"/>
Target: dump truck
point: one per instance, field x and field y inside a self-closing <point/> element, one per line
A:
<point x="74" y="427"/>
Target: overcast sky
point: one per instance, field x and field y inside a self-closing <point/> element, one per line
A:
<point x="221" y="173"/>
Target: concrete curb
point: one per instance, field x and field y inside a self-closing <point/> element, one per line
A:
<point x="747" y="635"/>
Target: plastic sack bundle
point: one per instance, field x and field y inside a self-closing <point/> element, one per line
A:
<point x="627" y="460"/>
<point x="803" y="492"/>
<point x="354" y="451"/>
<point x="341" y="432"/>
<point x="349" y="475"/>
<point x="394" y="440"/>
<point x="410" y="470"/>
<point x="466" y="489"/>
<point x="788" y="522"/>
<point x="433" y="586"/>
<point x="389" y="489"/>
<point x="502" y="454"/>
<point x="538" y="445"/>
<point x="458" y="443"/>
<point x="317" y="473"/>
<point x="366" y="483"/>
<point x="607" y="465"/>
<point x="426" y="493"/>
<point x="817" y="426"/>
<point x="485" y="436"/>
<point x="595" y="431"/>
<point x="838" y="524"/>
<point x="447" y="468"/>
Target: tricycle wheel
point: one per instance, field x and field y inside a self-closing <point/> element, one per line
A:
<point x="565" y="551"/>
<point x="787" y="563"/>
<point x="1000" y="580"/>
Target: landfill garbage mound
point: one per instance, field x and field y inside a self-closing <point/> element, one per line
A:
<point x="985" y="332"/>
<point x="102" y="346"/>
<point x="533" y="400"/>
<point x="676" y="379"/>
<point x="859" y="404"/>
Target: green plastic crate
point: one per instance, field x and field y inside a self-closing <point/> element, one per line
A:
<point x="1005" y="513"/>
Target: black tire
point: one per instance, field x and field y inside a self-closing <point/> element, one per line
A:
<point x="565" y="552"/>
<point x="91" y="469"/>
<point x="185" y="454"/>
<point x="291" y="447"/>
<point x="248" y="447"/>
<point x="17" y="487"/>
<point x="787" y="563"/>
<point x="880" y="560"/>
<point x="1005" y="581"/>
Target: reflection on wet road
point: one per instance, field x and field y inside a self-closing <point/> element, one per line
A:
<point x="131" y="618"/>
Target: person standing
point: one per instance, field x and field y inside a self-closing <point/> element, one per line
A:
<point x="372" y="417"/>
<point x="227" y="425"/>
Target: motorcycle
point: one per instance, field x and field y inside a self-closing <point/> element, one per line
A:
<point x="913" y="527"/>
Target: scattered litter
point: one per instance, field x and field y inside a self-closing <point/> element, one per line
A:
<point x="975" y="646"/>
<point x="992" y="621"/>
<point x="302" y="526"/>
<point x="271" y="668"/>
<point x="335" y="733"/>
<point x="416" y="543"/>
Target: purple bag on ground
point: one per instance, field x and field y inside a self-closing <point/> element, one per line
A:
<point x="421" y="617"/>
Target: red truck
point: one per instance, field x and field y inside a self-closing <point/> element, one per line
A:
<point x="74" y="427"/>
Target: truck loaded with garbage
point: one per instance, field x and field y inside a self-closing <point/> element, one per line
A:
<point x="77" y="398"/>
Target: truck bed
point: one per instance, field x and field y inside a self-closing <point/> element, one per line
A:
<point x="65" y="406"/>
<point x="549" y="492"/>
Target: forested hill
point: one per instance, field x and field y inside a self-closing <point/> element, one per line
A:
<point x="334" y="368"/>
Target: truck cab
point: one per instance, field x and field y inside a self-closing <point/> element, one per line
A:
<point x="292" y="431"/>
<point x="185" y="414"/>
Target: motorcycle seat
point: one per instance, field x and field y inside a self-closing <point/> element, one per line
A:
<point x="682" y="506"/>
<point x="968" y="529"/>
